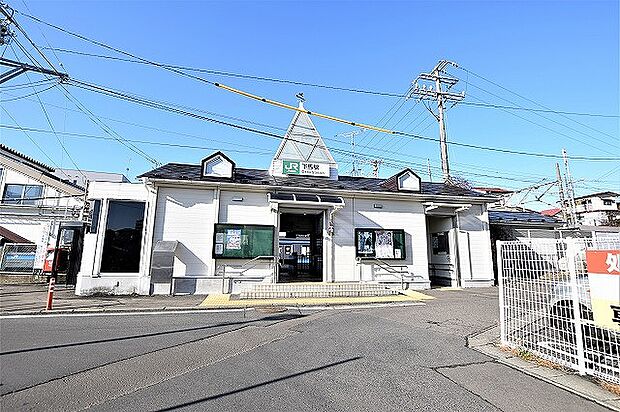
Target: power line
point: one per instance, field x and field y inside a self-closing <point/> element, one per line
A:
<point x="318" y="85"/>
<point x="538" y="104"/>
<point x="149" y="142"/>
<point x="43" y="109"/>
<point x="183" y="73"/>
<point x="36" y="92"/>
<point x="135" y="99"/>
<point x="229" y="74"/>
<point x="529" y="109"/>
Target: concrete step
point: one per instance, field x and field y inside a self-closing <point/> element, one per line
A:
<point x="316" y="290"/>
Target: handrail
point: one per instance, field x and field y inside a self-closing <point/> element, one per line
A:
<point x="391" y="270"/>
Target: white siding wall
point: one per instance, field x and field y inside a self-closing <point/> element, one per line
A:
<point x="254" y="209"/>
<point x="360" y="213"/>
<point x="187" y="216"/>
<point x="475" y="221"/>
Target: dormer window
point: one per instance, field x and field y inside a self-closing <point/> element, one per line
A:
<point x="218" y="165"/>
<point x="408" y="181"/>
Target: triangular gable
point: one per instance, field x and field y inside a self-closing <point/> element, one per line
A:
<point x="303" y="142"/>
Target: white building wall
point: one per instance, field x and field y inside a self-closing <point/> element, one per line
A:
<point x="187" y="216"/>
<point x="90" y="280"/>
<point x="395" y="214"/>
<point x="253" y="209"/>
<point x="476" y="261"/>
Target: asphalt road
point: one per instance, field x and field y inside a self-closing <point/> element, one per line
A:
<point x="392" y="358"/>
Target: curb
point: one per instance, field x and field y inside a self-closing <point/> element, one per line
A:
<point x="485" y="343"/>
<point x="194" y="309"/>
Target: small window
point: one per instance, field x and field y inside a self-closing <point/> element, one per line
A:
<point x="439" y="243"/>
<point x="22" y="194"/>
<point x="122" y="241"/>
<point x="608" y="202"/>
<point x="95" y="211"/>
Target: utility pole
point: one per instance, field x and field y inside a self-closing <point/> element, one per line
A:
<point x="558" y="176"/>
<point x="355" y="171"/>
<point x="17" y="68"/>
<point x="428" y="165"/>
<point x="375" y="167"/>
<point x="437" y="78"/>
<point x="570" y="189"/>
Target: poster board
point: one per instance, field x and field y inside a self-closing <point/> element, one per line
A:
<point x="231" y="241"/>
<point x="388" y="244"/>
<point x="604" y="279"/>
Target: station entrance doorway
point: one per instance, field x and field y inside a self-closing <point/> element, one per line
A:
<point x="301" y="246"/>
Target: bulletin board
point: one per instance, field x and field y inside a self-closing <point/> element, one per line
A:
<point x="388" y="244"/>
<point x="231" y="241"/>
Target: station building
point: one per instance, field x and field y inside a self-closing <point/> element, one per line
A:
<point x="215" y="227"/>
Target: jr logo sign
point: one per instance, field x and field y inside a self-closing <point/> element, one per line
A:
<point x="290" y="167"/>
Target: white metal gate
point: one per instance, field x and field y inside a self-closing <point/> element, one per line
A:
<point x="545" y="304"/>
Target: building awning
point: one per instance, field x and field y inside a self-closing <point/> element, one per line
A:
<point x="444" y="209"/>
<point x="306" y="198"/>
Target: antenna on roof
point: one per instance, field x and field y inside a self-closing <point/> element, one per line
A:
<point x="300" y="97"/>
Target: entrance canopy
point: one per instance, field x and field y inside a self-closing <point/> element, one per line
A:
<point x="306" y="199"/>
<point x="444" y="209"/>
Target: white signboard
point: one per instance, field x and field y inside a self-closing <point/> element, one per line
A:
<point x="296" y="167"/>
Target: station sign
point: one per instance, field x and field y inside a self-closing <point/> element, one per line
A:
<point x="297" y="167"/>
<point x="604" y="277"/>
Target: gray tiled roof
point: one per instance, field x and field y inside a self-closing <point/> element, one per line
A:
<point x="179" y="171"/>
<point x="512" y="217"/>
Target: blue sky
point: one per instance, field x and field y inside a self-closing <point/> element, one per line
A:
<point x="563" y="55"/>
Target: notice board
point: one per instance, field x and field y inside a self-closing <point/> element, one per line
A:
<point x="380" y="243"/>
<point x="233" y="241"/>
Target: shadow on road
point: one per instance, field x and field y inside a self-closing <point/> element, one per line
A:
<point x="258" y="385"/>
<point x="272" y="318"/>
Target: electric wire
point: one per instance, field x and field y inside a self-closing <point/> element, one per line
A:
<point x="43" y="109"/>
<point x="129" y="97"/>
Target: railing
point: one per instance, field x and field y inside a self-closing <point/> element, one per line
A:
<point x="546" y="306"/>
<point x="224" y="277"/>
<point x="391" y="269"/>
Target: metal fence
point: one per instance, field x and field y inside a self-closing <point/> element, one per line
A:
<point x="545" y="304"/>
<point x="18" y="257"/>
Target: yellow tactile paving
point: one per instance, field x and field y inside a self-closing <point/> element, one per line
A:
<point x="220" y="301"/>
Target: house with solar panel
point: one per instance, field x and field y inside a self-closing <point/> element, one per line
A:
<point x="217" y="227"/>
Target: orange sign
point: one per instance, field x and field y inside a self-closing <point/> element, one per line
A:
<point x="604" y="262"/>
<point x="604" y="276"/>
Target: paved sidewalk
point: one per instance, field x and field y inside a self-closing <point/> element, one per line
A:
<point x="488" y="343"/>
<point x="31" y="299"/>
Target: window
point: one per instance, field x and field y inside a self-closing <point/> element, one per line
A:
<point x="439" y="243"/>
<point x="608" y="202"/>
<point x="95" y="211"/>
<point x="22" y="194"/>
<point x="122" y="241"/>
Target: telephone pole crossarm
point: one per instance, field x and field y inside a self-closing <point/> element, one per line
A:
<point x="20" y="68"/>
